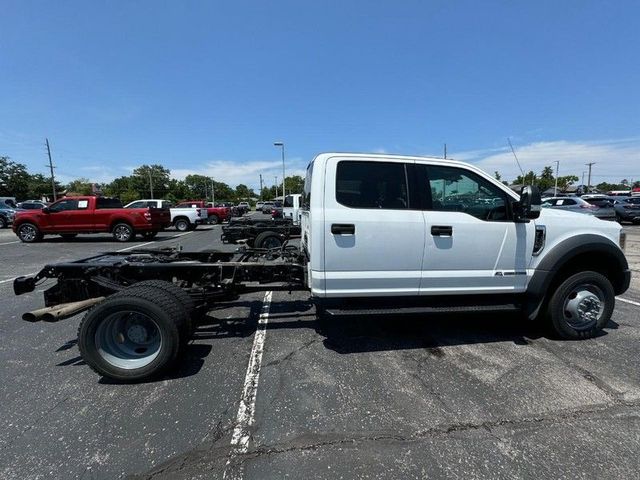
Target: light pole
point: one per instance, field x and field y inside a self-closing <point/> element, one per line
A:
<point x="555" y="190"/>
<point x="281" y="145"/>
<point x="276" y="185"/>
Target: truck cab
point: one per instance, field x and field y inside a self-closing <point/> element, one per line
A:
<point x="395" y="226"/>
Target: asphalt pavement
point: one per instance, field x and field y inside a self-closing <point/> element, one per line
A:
<point x="455" y="396"/>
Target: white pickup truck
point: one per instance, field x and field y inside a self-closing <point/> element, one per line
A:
<point x="184" y="219"/>
<point x="381" y="234"/>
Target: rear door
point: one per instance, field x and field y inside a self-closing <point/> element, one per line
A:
<point x="373" y="237"/>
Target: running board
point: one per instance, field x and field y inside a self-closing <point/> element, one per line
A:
<point x="422" y="309"/>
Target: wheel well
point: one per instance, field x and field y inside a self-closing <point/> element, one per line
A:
<point x="598" y="261"/>
<point x="181" y="217"/>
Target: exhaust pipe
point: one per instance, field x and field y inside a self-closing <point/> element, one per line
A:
<point x="60" y="312"/>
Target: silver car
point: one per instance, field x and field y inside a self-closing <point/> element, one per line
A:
<point x="578" y="205"/>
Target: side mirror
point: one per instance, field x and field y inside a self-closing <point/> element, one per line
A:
<point x="529" y="206"/>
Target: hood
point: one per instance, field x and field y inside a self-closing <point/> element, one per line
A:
<point x="562" y="223"/>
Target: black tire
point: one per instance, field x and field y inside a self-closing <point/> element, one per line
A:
<point x="213" y="219"/>
<point x="68" y="236"/>
<point x="3" y="222"/>
<point x="268" y="239"/>
<point x="187" y="303"/>
<point x="581" y="306"/>
<point x="110" y="331"/>
<point x="29" y="233"/>
<point x="149" y="235"/>
<point x="182" y="224"/>
<point x="123" y="232"/>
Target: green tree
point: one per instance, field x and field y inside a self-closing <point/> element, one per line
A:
<point x="80" y="186"/>
<point x="497" y="175"/>
<point x="14" y="179"/>
<point x="243" y="192"/>
<point x="146" y="176"/>
<point x="294" y="184"/>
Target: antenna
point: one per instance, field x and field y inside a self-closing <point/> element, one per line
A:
<point x="518" y="162"/>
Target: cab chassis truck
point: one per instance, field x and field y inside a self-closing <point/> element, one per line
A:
<point x="380" y="234"/>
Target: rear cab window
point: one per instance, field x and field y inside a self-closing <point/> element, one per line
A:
<point x="364" y="184"/>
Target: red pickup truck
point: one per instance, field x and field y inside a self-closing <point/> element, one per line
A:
<point x="215" y="214"/>
<point x="72" y="215"/>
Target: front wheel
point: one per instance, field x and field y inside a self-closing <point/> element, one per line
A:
<point x="213" y="220"/>
<point x="581" y="306"/>
<point x="29" y="233"/>
<point x="123" y="232"/>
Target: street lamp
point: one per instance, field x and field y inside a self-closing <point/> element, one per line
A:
<point x="281" y="145"/>
<point x="555" y="191"/>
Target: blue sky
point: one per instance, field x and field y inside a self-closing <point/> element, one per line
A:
<point x="208" y="86"/>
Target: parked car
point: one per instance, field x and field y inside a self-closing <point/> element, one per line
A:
<point x="266" y="207"/>
<point x="259" y="206"/>
<point x="90" y="214"/>
<point x="183" y="218"/>
<point x="7" y="215"/>
<point x="32" y="205"/>
<point x="578" y="205"/>
<point x="605" y="206"/>
<point x="627" y="209"/>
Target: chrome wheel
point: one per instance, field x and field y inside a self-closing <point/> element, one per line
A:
<point x="122" y="233"/>
<point x="584" y="306"/>
<point x="182" y="225"/>
<point x="128" y="340"/>
<point x="28" y="233"/>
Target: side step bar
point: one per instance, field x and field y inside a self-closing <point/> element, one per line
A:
<point x="422" y="309"/>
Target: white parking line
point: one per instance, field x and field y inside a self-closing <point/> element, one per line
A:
<point x="246" y="409"/>
<point x="637" y="304"/>
<point x="9" y="243"/>
<point x="12" y="279"/>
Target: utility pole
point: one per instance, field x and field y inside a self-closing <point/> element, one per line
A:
<point x="281" y="145"/>
<point x="555" y="191"/>
<point x="51" y="167"/>
<point x="260" y="186"/>
<point x="276" y="177"/>
<point x="150" y="182"/>
<point x="445" y="151"/>
<point x="213" y="194"/>
<point x="589" y="177"/>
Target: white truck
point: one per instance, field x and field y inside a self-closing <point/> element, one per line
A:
<point x="381" y="234"/>
<point x="184" y="219"/>
<point x="291" y="207"/>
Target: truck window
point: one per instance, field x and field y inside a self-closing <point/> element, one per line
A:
<point x="372" y="185"/>
<point x="137" y="205"/>
<point x="64" y="205"/>
<point x="306" y="191"/>
<point x="102" y="202"/>
<point x="288" y="201"/>
<point x="458" y="190"/>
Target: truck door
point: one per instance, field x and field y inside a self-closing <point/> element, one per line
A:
<point x="69" y="215"/>
<point x="473" y="244"/>
<point x="373" y="236"/>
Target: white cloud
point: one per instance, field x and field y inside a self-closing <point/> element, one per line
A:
<point x="614" y="159"/>
<point x="248" y="173"/>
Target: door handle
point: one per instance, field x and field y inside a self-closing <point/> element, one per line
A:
<point x="441" y="231"/>
<point x="343" y="229"/>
